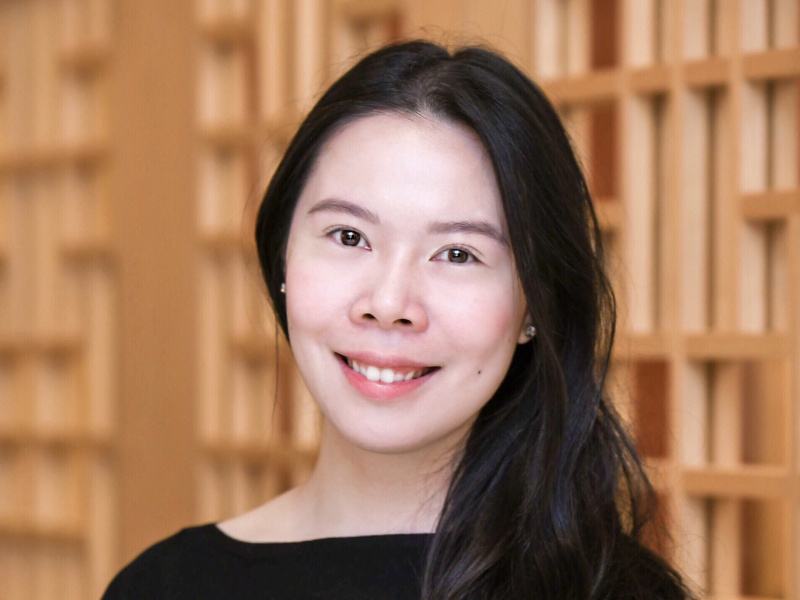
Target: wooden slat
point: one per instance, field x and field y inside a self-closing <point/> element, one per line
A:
<point x="273" y="61"/>
<point x="642" y="346"/>
<point x="584" y="89"/>
<point x="609" y="213"/>
<point x="39" y="345"/>
<point x="63" y="439"/>
<point x="545" y="47"/>
<point x="576" y="32"/>
<point x="662" y="473"/>
<point x="710" y="72"/>
<point x="650" y="80"/>
<point x="33" y="159"/>
<point x="156" y="301"/>
<point x="366" y="10"/>
<point x="86" y="250"/>
<point x="228" y="30"/>
<point x="772" y="205"/>
<point x="224" y="243"/>
<point x="642" y="194"/>
<point x="744" y="481"/>
<point x="280" y="130"/>
<point x="84" y="58"/>
<point x="278" y="455"/>
<point x="229" y="136"/>
<point x="772" y="64"/>
<point x="251" y="348"/>
<point x="310" y="47"/>
<point x="736" y="346"/>
<point x="24" y="530"/>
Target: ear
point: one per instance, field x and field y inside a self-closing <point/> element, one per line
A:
<point x="523" y="338"/>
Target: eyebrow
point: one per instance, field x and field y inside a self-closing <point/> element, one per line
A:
<point x="478" y="227"/>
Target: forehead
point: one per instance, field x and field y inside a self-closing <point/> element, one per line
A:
<point x="407" y="163"/>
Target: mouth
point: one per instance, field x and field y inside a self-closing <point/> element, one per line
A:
<point x="384" y="375"/>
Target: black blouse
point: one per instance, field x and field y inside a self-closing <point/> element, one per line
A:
<point x="202" y="562"/>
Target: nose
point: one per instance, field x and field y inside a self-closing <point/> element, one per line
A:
<point x="389" y="299"/>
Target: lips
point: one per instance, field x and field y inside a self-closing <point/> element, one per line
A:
<point x="395" y="362"/>
<point x="383" y="390"/>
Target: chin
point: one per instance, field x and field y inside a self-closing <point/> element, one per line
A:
<point x="384" y="443"/>
<point x="388" y="439"/>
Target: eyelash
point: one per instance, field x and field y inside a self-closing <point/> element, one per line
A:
<point x="335" y="230"/>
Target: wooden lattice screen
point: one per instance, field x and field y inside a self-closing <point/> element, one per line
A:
<point x="685" y="116"/>
<point x="689" y="131"/>
<point x="57" y="318"/>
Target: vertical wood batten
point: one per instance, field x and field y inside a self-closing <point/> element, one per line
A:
<point x="689" y="403"/>
<point x="726" y="514"/>
<point x="784" y="159"/>
<point x="750" y="145"/>
<point x="639" y="175"/>
<point x="153" y="211"/>
<point x="726" y="400"/>
<point x="792" y="530"/>
<point x="274" y="58"/>
<point x="785" y="271"/>
<point x="697" y="185"/>
<point x="638" y="29"/>
<point x="545" y="36"/>
<point x="577" y="37"/>
<point x="723" y="218"/>
<point x="311" y="46"/>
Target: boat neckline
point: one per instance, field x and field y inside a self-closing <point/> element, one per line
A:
<point x="371" y="541"/>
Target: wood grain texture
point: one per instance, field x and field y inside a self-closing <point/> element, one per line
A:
<point x="138" y="355"/>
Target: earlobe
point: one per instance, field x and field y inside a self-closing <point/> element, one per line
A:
<point x="527" y="334"/>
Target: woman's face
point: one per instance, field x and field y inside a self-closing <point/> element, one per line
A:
<point x="398" y="256"/>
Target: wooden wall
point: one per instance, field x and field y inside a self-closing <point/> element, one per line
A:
<point x="58" y="304"/>
<point x="142" y="385"/>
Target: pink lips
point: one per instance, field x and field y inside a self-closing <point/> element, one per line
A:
<point x="378" y="390"/>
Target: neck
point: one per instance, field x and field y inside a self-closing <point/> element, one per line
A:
<point x="353" y="491"/>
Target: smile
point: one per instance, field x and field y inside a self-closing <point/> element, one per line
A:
<point x="383" y="383"/>
<point x="384" y="374"/>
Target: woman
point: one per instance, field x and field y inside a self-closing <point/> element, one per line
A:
<point x="432" y="255"/>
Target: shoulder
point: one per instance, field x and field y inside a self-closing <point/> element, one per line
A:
<point x="148" y="574"/>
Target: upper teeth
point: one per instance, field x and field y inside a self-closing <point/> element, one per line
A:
<point x="382" y="374"/>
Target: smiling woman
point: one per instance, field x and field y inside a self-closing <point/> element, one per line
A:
<point x="431" y="252"/>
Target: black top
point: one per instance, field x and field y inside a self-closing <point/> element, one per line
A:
<point x="202" y="562"/>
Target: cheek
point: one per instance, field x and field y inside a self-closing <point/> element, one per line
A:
<point x="316" y="296"/>
<point x="480" y="327"/>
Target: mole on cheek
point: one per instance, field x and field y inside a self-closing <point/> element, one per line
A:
<point x="479" y="371"/>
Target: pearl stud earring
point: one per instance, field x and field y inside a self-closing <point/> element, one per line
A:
<point x="530" y="331"/>
<point x="283" y="287"/>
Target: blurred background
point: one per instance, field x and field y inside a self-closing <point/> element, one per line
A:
<point x="143" y="387"/>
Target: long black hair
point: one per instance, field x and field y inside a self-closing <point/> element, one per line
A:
<point x="549" y="498"/>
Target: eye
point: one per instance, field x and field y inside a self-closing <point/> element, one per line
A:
<point x="347" y="237"/>
<point x="459" y="255"/>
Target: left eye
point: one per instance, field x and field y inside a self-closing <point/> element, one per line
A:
<point x="458" y="255"/>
